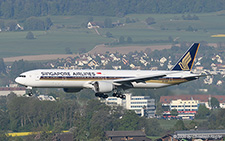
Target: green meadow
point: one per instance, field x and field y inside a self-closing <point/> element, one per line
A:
<point x="68" y="32"/>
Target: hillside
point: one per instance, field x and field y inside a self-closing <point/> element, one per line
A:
<point x="22" y="9"/>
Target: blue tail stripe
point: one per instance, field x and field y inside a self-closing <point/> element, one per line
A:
<point x="186" y="62"/>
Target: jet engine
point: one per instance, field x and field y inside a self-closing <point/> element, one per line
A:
<point x="72" y="90"/>
<point x="103" y="87"/>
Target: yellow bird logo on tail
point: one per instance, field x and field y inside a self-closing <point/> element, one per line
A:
<point x="185" y="61"/>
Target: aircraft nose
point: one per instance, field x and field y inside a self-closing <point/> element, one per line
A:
<point x="19" y="81"/>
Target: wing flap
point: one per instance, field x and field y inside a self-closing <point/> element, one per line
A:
<point x="139" y="78"/>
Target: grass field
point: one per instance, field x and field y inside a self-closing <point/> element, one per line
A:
<point x="72" y="36"/>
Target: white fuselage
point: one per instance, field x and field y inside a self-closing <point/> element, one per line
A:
<point x="58" y="78"/>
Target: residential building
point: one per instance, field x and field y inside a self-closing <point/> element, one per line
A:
<point x="203" y="99"/>
<point x="184" y="105"/>
<point x="126" y="135"/>
<point x="142" y="105"/>
<point x="186" y="108"/>
<point x="92" y="25"/>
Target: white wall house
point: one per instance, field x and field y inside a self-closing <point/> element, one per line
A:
<point x="142" y="105"/>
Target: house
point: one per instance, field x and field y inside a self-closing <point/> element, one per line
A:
<point x="92" y="25"/>
<point x="19" y="91"/>
<point x="126" y="135"/>
<point x="167" y="137"/>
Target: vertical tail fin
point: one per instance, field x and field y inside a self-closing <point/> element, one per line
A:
<point x="186" y="62"/>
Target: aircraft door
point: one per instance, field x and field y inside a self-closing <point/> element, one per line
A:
<point x="37" y="78"/>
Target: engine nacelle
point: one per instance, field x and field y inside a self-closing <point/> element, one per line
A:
<point x="72" y="90"/>
<point x="103" y="87"/>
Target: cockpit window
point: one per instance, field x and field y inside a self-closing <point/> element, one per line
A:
<point x="22" y="75"/>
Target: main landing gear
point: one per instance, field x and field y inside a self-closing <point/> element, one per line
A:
<point x="119" y="95"/>
<point x="101" y="95"/>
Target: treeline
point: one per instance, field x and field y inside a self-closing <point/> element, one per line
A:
<point x="88" y="120"/>
<point x="27" y="8"/>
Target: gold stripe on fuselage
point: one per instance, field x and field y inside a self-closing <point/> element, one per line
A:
<point x="170" y="81"/>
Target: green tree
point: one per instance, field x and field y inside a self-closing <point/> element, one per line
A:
<point x="2" y="24"/>
<point x="30" y="35"/>
<point x="159" y="109"/>
<point x="174" y="112"/>
<point x="214" y="103"/>
<point x="48" y="23"/>
<point x="152" y="127"/>
<point x="108" y="23"/>
<point x="179" y="125"/>
<point x="203" y="112"/>
<point x="68" y="50"/>
<point x="2" y="66"/>
<point x="34" y="23"/>
<point x="109" y="35"/>
<point x="129" y="121"/>
<point x="129" y="40"/>
<point x="11" y="25"/>
<point x="3" y="136"/>
<point x="150" y="21"/>
<point x="121" y="40"/>
<point x="128" y="20"/>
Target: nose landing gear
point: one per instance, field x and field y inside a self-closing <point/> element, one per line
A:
<point x="29" y="91"/>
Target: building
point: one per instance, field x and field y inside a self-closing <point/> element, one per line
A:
<point x="126" y="135"/>
<point x="92" y="25"/>
<point x="46" y="98"/>
<point x="200" y="134"/>
<point x="203" y="99"/>
<point x="19" y="91"/>
<point x="194" y="135"/>
<point x="186" y="109"/>
<point x="142" y="105"/>
<point x="184" y="105"/>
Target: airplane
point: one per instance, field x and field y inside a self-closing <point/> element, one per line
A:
<point x="116" y="81"/>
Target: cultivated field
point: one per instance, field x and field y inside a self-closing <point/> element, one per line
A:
<point x="69" y="32"/>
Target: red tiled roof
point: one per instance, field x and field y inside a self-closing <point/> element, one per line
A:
<point x="12" y="88"/>
<point x="201" y="98"/>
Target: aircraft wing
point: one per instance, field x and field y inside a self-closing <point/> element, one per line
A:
<point x="139" y="78"/>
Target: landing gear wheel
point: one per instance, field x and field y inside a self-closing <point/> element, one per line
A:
<point x="101" y="95"/>
<point x="30" y="94"/>
<point x="105" y="96"/>
<point x="97" y="94"/>
<point x="114" y="94"/>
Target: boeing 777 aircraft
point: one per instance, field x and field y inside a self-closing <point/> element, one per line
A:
<point x="106" y="81"/>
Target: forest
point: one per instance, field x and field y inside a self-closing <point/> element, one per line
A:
<point x="18" y="9"/>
